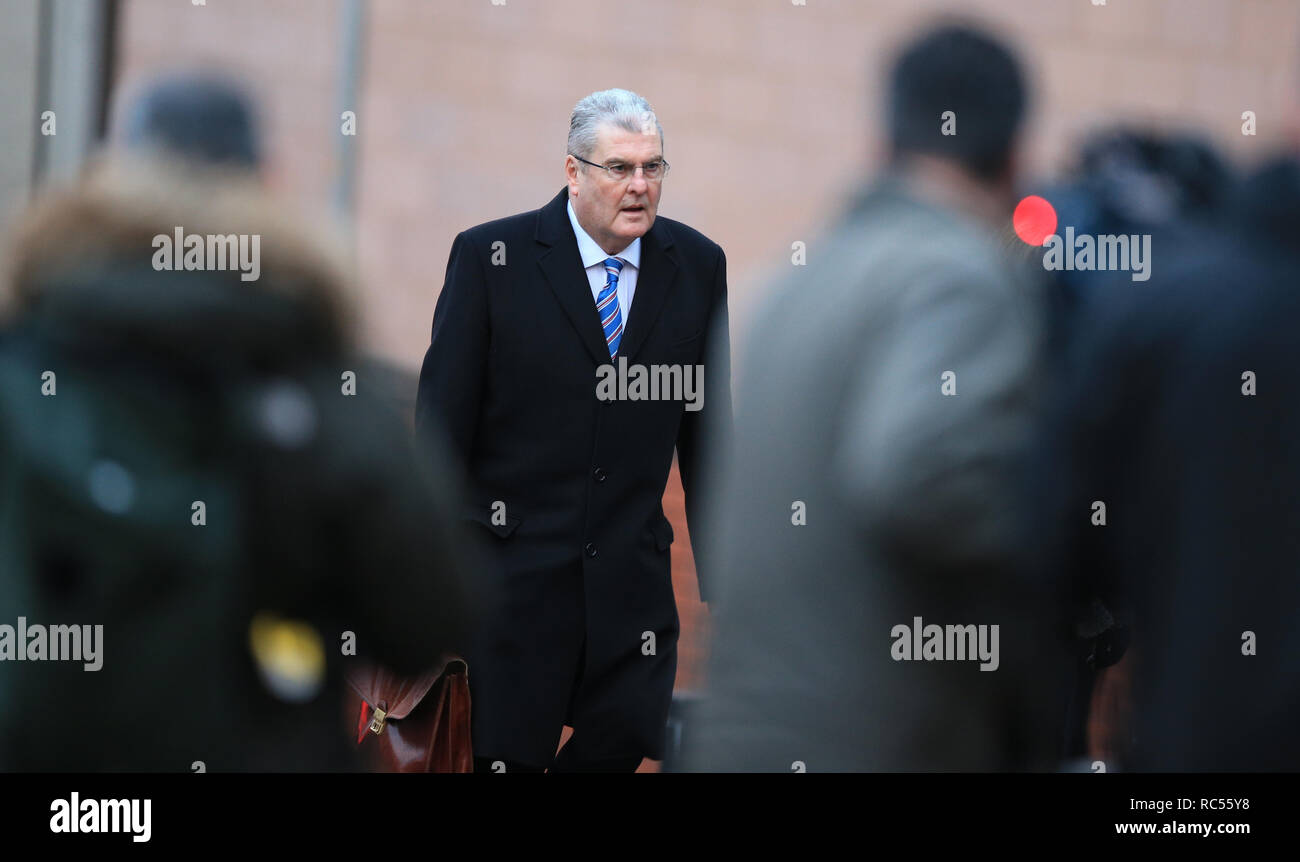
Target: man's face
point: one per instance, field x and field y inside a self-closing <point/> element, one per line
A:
<point x="613" y="212"/>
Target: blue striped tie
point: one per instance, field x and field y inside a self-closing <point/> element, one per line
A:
<point x="611" y="321"/>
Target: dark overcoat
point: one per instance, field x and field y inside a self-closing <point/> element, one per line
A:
<point x="579" y="623"/>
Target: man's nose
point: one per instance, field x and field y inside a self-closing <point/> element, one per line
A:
<point x="637" y="184"/>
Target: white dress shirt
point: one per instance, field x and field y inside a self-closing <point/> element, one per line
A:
<point x="593" y="259"/>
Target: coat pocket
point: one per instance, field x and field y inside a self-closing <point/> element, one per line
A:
<point x="662" y="529"/>
<point x="501" y="523"/>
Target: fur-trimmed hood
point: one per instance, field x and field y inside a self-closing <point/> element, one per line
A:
<point x="84" y="265"/>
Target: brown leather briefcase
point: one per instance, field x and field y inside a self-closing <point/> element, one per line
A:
<point x="413" y="724"/>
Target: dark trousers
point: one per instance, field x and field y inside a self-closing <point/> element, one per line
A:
<point x="573" y="757"/>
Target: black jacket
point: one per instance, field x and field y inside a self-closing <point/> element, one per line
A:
<point x="1197" y="464"/>
<point x="581" y="556"/>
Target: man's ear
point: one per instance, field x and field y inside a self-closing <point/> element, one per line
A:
<point x="571" y="167"/>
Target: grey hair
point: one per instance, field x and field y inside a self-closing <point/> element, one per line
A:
<point x="621" y="108"/>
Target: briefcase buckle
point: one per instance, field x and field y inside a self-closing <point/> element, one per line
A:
<point x="377" y="721"/>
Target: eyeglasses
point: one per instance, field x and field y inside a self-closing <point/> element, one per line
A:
<point x="619" y="171"/>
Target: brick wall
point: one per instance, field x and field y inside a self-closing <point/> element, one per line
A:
<point x="766" y="105"/>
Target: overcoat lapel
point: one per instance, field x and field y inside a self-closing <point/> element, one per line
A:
<point x="562" y="268"/>
<point x="653" y="283"/>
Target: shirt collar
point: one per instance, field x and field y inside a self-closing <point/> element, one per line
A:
<point x="593" y="254"/>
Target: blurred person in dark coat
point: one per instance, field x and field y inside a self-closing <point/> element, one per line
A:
<point x="1127" y="181"/>
<point x="566" y="483"/>
<point x="1181" y="416"/>
<point x="184" y="465"/>
<point x="874" y="490"/>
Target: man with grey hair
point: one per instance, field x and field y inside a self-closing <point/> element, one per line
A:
<point x="565" y="478"/>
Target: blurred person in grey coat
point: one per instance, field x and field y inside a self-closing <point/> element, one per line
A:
<point x="873" y="611"/>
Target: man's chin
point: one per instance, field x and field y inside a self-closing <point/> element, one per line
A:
<point x="635" y="226"/>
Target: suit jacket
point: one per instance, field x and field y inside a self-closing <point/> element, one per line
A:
<point x="579" y="624"/>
